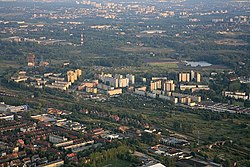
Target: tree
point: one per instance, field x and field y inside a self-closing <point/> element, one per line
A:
<point x="37" y="94"/>
<point x="150" y="138"/>
<point x="227" y="163"/>
<point x="177" y="125"/>
<point x="216" y="159"/>
<point x="247" y="103"/>
<point x="168" y="161"/>
<point x="234" y="86"/>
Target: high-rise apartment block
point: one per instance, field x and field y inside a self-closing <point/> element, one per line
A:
<point x="78" y="72"/>
<point x="110" y="81"/>
<point x="169" y="86"/>
<point x="198" y="77"/>
<point x="187" y="77"/>
<point x="73" y="75"/>
<point x="192" y="75"/>
<point x="154" y="85"/>
<point x="131" y="78"/>
<point x="123" y="82"/>
<point x="184" y="77"/>
<point x="118" y="81"/>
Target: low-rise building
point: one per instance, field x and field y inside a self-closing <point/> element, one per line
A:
<point x="235" y="95"/>
<point x="77" y="145"/>
<point x="19" y="79"/>
<point x="91" y="90"/>
<point x="87" y="84"/>
<point x="7" y="117"/>
<point x="140" y="92"/>
<point x="57" y="139"/>
<point x="114" y="92"/>
<point x="4" y="107"/>
<point x="63" y="144"/>
<point x="194" y="88"/>
<point x="152" y="95"/>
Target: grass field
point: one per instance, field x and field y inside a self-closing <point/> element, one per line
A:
<point x="137" y="49"/>
<point x="164" y="65"/>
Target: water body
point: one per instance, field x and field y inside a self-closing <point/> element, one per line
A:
<point x="197" y="63"/>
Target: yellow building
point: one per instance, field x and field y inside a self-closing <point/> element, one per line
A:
<point x="188" y="100"/>
<point x="154" y="85"/>
<point x="144" y="88"/>
<point x="192" y="104"/>
<point x="185" y="100"/>
<point x="198" y="77"/>
<point x="91" y="90"/>
<point x="114" y="92"/>
<point x="198" y="99"/>
<point x="186" y="87"/>
<point x="69" y="74"/>
<point x="123" y="82"/>
<point x="187" y="77"/>
<point x="72" y="76"/>
<point x="180" y="77"/>
<point x="182" y="100"/>
<point x="169" y="86"/>
<point x="78" y="72"/>
<point x="184" y="77"/>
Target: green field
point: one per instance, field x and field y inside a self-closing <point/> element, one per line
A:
<point x="164" y="65"/>
<point x="137" y="49"/>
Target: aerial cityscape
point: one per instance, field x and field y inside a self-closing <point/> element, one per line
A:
<point x="125" y="83"/>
